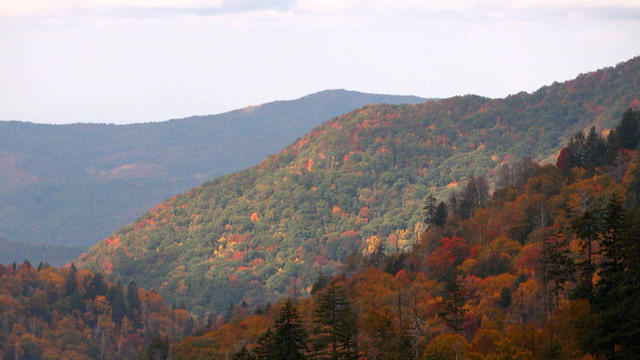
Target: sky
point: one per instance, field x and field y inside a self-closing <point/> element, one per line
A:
<point x="125" y="61"/>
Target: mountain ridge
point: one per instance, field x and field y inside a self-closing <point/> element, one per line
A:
<point x="74" y="184"/>
<point x="361" y="177"/>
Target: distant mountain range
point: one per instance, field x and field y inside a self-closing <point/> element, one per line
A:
<point x="73" y="185"/>
<point x="360" y="178"/>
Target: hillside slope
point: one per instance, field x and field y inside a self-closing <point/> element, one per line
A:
<point x="268" y="230"/>
<point x="75" y="184"/>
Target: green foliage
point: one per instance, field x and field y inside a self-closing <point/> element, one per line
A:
<point x="75" y="184"/>
<point x="335" y="334"/>
<point x="290" y="337"/>
<point x="265" y="232"/>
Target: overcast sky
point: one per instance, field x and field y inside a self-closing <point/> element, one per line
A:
<point x="122" y="61"/>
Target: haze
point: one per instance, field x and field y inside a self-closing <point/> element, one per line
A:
<point x="138" y="61"/>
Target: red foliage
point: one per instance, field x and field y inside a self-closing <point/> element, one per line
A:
<point x="563" y="160"/>
<point x="452" y="252"/>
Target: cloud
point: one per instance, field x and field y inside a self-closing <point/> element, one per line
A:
<point x="34" y="8"/>
<point x="448" y="8"/>
<point x="475" y="8"/>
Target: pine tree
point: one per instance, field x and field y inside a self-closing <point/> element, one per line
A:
<point x="335" y="334"/>
<point x="158" y="349"/>
<point x="451" y="309"/>
<point x="440" y="215"/>
<point x="557" y="262"/>
<point x="429" y="210"/>
<point x="587" y="228"/>
<point x="289" y="335"/>
<point x="595" y="150"/>
<point x="265" y="348"/>
<point x="607" y="304"/>
<point x="243" y="354"/>
<point x="628" y="130"/>
<point x="133" y="302"/>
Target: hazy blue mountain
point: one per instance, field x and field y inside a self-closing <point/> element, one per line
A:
<point x="75" y="184"/>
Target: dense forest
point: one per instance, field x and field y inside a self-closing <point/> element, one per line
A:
<point x="75" y="184"/>
<point x="65" y="313"/>
<point x="547" y="267"/>
<point x="359" y="179"/>
<point x="544" y="267"/>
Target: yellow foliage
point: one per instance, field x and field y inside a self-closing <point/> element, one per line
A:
<point x="372" y="243"/>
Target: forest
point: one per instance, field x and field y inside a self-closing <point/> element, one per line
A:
<point x="66" y="313"/>
<point x="546" y="267"/>
<point x="267" y="231"/>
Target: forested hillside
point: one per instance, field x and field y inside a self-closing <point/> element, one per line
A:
<point x="75" y="184"/>
<point x="349" y="184"/>
<point x="546" y="268"/>
<point x="65" y="313"/>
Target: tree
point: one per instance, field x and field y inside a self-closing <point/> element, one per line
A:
<point x="118" y="304"/>
<point x="557" y="263"/>
<point x="243" y="354"/>
<point x="627" y="130"/>
<point x="609" y="310"/>
<point x="587" y="229"/>
<point x="429" y="210"/>
<point x="595" y="150"/>
<point x="265" y="348"/>
<point x="451" y="309"/>
<point x="289" y="336"/>
<point x="158" y="349"/>
<point x="440" y="215"/>
<point x="133" y="301"/>
<point x="335" y="334"/>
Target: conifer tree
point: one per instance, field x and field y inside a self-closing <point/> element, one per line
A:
<point x="440" y="215"/>
<point x="557" y="262"/>
<point x="607" y="304"/>
<point x="133" y="302"/>
<point x="290" y="336"/>
<point x="243" y="354"/>
<point x="265" y="348"/>
<point x="335" y="335"/>
<point x="429" y="210"/>
<point x="587" y="229"/>
<point x="451" y="309"/>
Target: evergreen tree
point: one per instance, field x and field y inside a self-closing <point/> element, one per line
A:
<point x="290" y="336"/>
<point x="118" y="303"/>
<point x="429" y="210"/>
<point x="158" y="349"/>
<point x="70" y="284"/>
<point x="630" y="286"/>
<point x="441" y="213"/>
<point x="595" y="151"/>
<point x="243" y="354"/>
<point x="505" y="298"/>
<point x="607" y="305"/>
<point x="321" y="283"/>
<point x="266" y="348"/>
<point x="335" y="334"/>
<point x="587" y="229"/>
<point x="575" y="149"/>
<point x="451" y="309"/>
<point x="558" y="266"/>
<point x="133" y="302"/>
<point x="628" y="130"/>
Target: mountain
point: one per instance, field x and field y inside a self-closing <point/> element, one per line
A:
<point x="356" y="180"/>
<point x="75" y="184"/>
<point x="51" y="253"/>
<point x="502" y="283"/>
